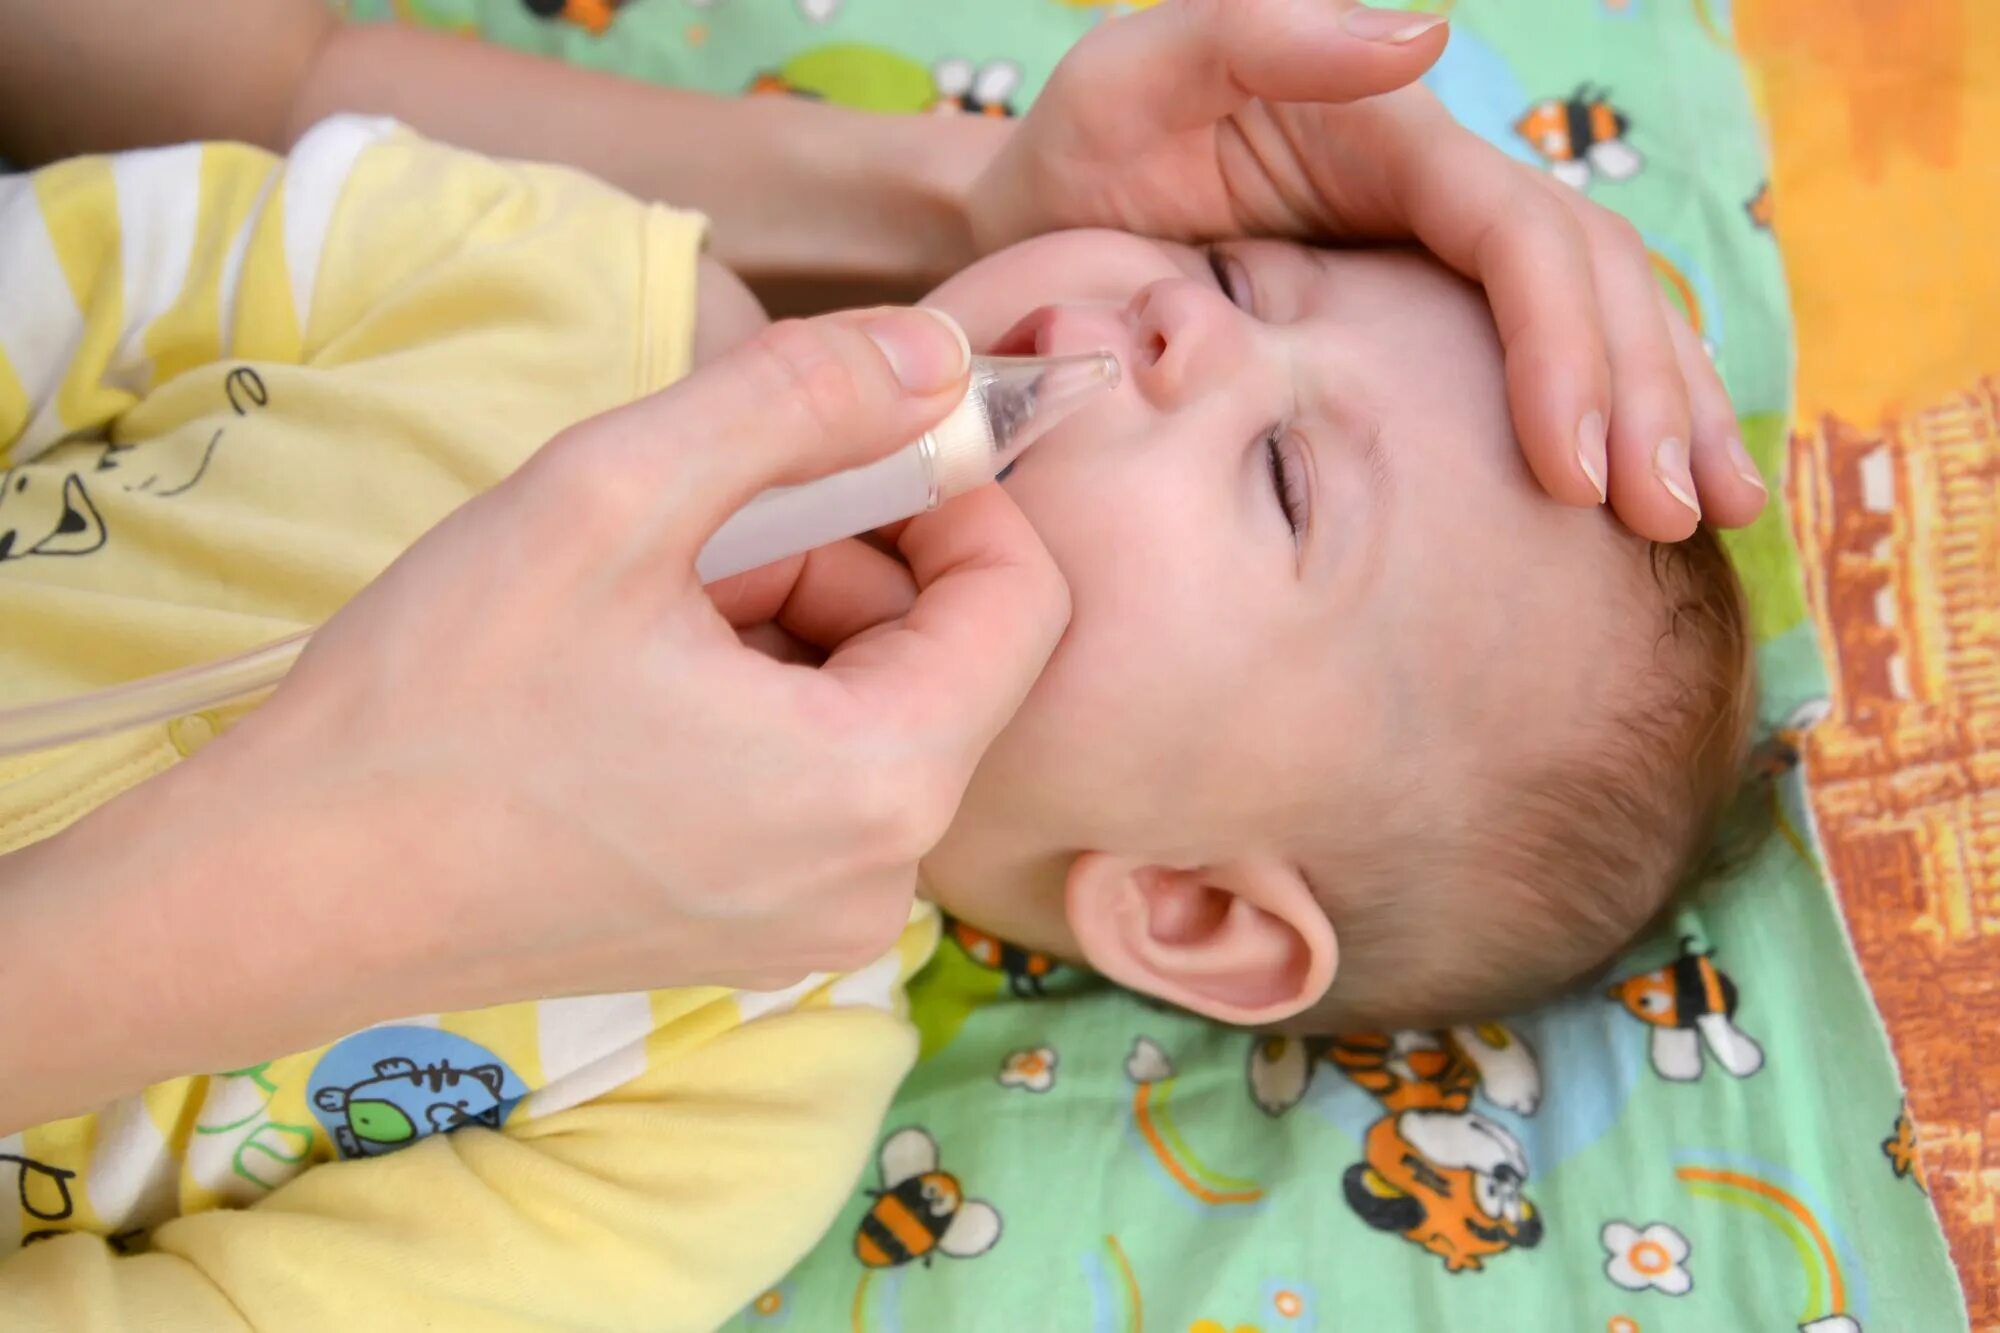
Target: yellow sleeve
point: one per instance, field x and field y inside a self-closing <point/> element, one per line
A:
<point x="122" y="272"/>
<point x="357" y="340"/>
<point x="667" y="1211"/>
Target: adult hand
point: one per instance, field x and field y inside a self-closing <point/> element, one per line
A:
<point x="1201" y="119"/>
<point x="619" y="794"/>
<point x="533" y="758"/>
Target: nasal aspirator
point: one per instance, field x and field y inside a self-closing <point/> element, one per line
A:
<point x="1009" y="404"/>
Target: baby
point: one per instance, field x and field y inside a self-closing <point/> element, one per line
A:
<point x="1351" y="726"/>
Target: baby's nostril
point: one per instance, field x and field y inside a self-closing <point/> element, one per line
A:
<point x="1156" y="348"/>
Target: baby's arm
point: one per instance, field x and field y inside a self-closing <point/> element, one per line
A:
<point x="666" y="1205"/>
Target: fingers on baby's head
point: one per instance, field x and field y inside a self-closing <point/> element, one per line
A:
<point x="1554" y="861"/>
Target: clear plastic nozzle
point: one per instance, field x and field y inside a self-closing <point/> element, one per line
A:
<point x="1027" y="396"/>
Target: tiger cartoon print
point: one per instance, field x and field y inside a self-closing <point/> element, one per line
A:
<point x="1436" y="1172"/>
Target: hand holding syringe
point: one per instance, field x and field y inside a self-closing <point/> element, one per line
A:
<point x="1010" y="403"/>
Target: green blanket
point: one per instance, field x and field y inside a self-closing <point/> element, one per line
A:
<point x="1716" y="1144"/>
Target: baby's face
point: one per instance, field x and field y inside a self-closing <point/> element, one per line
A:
<point x="1311" y="573"/>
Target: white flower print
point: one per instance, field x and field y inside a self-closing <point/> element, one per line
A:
<point x="1148" y="1063"/>
<point x="1653" y="1257"/>
<point x="1034" y="1069"/>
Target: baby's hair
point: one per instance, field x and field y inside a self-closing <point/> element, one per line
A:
<point x="1562" y="864"/>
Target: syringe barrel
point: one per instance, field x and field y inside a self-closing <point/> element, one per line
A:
<point x="1009" y="403"/>
<point x="789" y="519"/>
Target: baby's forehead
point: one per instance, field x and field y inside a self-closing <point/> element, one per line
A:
<point x="1492" y="598"/>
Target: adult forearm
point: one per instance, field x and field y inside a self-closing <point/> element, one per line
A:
<point x="99" y="76"/>
<point x="797" y="190"/>
<point x="180" y="928"/>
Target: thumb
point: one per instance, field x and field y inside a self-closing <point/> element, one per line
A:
<point x="1188" y="63"/>
<point x="802" y="399"/>
<point x="990" y="608"/>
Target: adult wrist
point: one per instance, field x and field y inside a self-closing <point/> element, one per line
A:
<point x="173" y="931"/>
<point x="879" y="208"/>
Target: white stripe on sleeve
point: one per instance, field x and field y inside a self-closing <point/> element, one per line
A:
<point x="590" y="1044"/>
<point x="40" y="325"/>
<point x="315" y="175"/>
<point x="132" y="1178"/>
<point x="232" y="266"/>
<point x="159" y="204"/>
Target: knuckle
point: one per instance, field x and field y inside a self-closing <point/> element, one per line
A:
<point x="594" y="485"/>
<point x="890" y="817"/>
<point x="1556" y="214"/>
<point x="898" y="812"/>
<point x="1615" y="231"/>
<point x="803" y="366"/>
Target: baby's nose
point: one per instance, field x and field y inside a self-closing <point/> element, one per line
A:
<point x="1187" y="339"/>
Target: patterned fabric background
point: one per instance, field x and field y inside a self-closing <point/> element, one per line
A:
<point x="1877" y="188"/>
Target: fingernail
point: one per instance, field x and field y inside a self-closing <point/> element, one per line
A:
<point x="1387" y="25"/>
<point x="925" y="347"/>
<point x="1590" y="450"/>
<point x="1746" y="468"/>
<point x="1670" y="465"/>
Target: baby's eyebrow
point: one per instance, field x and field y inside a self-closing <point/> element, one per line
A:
<point x="1345" y="425"/>
<point x="1376" y="456"/>
<point x="1346" y="422"/>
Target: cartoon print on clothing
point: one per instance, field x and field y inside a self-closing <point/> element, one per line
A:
<point x="593" y="16"/>
<point x="921" y="1211"/>
<point x="1901" y="1150"/>
<point x="1025" y="970"/>
<point x="43" y="1191"/>
<point x="1690" y="1003"/>
<point x="236" y="1125"/>
<point x="1646" y="1258"/>
<point x="42" y="516"/>
<point x="1580" y="137"/>
<point x="1440" y="1174"/>
<point x="412" y="1082"/>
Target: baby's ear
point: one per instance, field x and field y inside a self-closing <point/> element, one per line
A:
<point x="1243" y="942"/>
